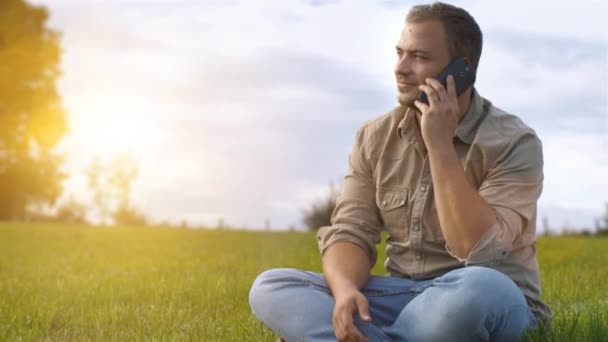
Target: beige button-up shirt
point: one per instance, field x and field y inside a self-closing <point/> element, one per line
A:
<point x="389" y="186"/>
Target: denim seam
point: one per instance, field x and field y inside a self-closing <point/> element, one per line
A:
<point x="417" y="289"/>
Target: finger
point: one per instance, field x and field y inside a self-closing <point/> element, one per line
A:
<point x="355" y="335"/>
<point x="343" y="323"/>
<point x="351" y="331"/>
<point x="438" y="87"/>
<point x="451" y="88"/>
<point x="363" y="307"/>
<point x="431" y="94"/>
<point x="422" y="107"/>
<point x="340" y="330"/>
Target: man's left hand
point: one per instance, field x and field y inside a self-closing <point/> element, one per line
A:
<point x="440" y="117"/>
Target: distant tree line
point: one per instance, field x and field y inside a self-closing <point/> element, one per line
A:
<point x="601" y="224"/>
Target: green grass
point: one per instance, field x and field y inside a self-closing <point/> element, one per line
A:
<point x="574" y="271"/>
<point x="88" y="283"/>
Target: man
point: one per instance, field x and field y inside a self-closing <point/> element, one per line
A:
<point x="455" y="184"/>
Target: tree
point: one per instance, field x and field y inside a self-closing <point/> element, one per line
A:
<point x="127" y="215"/>
<point x="71" y="211"/>
<point x="123" y="171"/>
<point x="319" y="212"/>
<point x="32" y="120"/>
<point x="111" y="184"/>
<point x="101" y="193"/>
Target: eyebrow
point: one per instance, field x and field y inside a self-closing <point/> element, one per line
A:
<point x="412" y="51"/>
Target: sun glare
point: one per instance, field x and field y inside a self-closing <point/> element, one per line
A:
<point x="105" y="127"/>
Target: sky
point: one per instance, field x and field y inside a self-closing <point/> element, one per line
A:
<point x="246" y="110"/>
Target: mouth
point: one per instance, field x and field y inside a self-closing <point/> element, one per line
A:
<point x="405" y="85"/>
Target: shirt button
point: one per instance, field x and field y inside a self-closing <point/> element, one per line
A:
<point x="416" y="228"/>
<point x="423" y="189"/>
<point x="418" y="256"/>
<point x="384" y="203"/>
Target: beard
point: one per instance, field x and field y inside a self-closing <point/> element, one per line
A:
<point x="407" y="99"/>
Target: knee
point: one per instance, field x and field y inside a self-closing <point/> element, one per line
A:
<point x="469" y="303"/>
<point x="483" y="274"/>
<point x="265" y="285"/>
<point x="479" y="297"/>
<point x="489" y="284"/>
<point x="482" y="289"/>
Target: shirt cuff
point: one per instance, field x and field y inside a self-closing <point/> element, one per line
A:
<point x="487" y="251"/>
<point x="329" y="235"/>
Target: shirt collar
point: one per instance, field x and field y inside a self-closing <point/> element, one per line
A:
<point x="467" y="128"/>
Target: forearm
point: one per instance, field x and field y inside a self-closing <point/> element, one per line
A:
<point x="464" y="216"/>
<point x="345" y="266"/>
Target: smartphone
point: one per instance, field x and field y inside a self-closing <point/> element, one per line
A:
<point x="463" y="77"/>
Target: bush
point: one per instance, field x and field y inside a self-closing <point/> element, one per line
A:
<point x="319" y="213"/>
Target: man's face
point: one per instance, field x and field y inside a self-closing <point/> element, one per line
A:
<point x="422" y="52"/>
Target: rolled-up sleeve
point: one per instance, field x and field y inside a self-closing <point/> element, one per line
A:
<point x="512" y="188"/>
<point x="356" y="218"/>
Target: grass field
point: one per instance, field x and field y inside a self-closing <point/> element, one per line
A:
<point x="88" y="283"/>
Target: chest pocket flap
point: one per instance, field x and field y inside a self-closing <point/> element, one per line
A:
<point x="390" y="199"/>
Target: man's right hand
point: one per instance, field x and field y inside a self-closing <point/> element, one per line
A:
<point x="349" y="303"/>
<point x="346" y="268"/>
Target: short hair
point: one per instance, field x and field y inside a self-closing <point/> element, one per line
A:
<point x="464" y="38"/>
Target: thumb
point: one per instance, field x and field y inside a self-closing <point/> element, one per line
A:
<point x="363" y="307"/>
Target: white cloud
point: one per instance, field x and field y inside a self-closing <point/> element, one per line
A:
<point x="575" y="169"/>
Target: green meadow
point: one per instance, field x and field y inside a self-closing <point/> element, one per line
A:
<point x="62" y="282"/>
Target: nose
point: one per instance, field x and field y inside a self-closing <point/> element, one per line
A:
<point x="403" y="66"/>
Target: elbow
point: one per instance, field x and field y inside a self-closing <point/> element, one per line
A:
<point x="462" y="251"/>
<point x="468" y="244"/>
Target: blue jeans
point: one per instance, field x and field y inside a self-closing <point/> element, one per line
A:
<point x="466" y="304"/>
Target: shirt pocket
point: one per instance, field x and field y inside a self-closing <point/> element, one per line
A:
<point x="394" y="210"/>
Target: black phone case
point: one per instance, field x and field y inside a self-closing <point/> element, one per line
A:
<point x="463" y="77"/>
